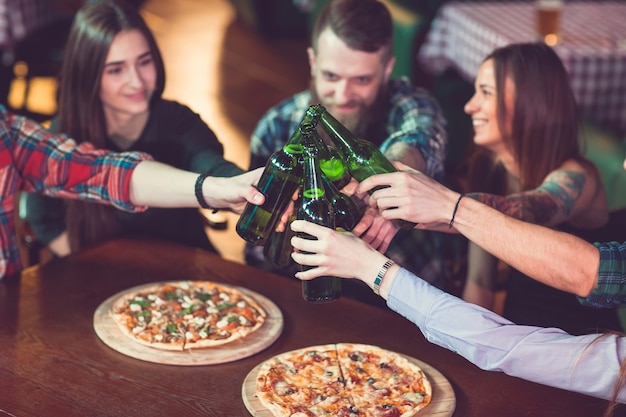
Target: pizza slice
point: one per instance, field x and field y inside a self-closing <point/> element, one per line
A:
<point x="383" y="382"/>
<point x="149" y="322"/>
<point x="305" y="382"/>
<point x="219" y="314"/>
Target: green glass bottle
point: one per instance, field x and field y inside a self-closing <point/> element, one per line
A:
<point x="348" y="212"/>
<point x="316" y="209"/>
<point x="279" y="181"/>
<point x="362" y="157"/>
<point x="332" y="162"/>
<point x="277" y="249"/>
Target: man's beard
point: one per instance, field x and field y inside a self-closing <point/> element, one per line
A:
<point x="365" y="123"/>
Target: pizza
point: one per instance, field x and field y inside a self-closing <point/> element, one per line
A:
<point x="343" y="380"/>
<point x="187" y="315"/>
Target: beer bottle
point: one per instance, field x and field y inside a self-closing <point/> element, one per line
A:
<point x="278" y="183"/>
<point x="347" y="211"/>
<point x="334" y="177"/>
<point x="277" y="249"/>
<point x="363" y="158"/>
<point x="331" y="161"/>
<point x="316" y="209"/>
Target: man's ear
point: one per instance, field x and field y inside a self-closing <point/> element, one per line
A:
<point x="389" y="68"/>
<point x="311" y="53"/>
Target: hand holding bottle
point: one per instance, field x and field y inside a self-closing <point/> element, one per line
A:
<point x="233" y="193"/>
<point x="413" y="196"/>
<point x="334" y="253"/>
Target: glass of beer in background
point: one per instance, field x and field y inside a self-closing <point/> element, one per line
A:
<point x="548" y="20"/>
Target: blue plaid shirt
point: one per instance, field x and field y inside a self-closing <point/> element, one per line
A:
<point x="611" y="289"/>
<point x="414" y="117"/>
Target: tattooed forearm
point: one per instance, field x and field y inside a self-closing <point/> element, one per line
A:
<point x="566" y="187"/>
<point x="512" y="205"/>
<point x="550" y="204"/>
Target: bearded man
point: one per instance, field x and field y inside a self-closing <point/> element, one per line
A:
<point x="351" y="59"/>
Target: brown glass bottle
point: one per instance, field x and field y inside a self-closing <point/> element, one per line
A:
<point x="317" y="209"/>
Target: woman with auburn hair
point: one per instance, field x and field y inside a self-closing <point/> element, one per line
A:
<point x="526" y="126"/>
<point x="111" y="84"/>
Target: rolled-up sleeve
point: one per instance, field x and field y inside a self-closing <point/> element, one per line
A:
<point x="611" y="288"/>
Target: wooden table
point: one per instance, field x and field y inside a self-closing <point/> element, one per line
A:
<point x="52" y="362"/>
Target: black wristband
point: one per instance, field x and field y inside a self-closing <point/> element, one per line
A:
<point x="456" y="207"/>
<point x="198" y="191"/>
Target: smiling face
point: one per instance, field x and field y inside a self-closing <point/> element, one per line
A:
<point x="129" y="76"/>
<point x="347" y="81"/>
<point x="483" y="107"/>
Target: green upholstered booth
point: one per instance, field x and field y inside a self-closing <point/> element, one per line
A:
<point x="608" y="152"/>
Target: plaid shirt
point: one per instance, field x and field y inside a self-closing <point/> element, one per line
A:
<point x="611" y="289"/>
<point x="413" y="117"/>
<point x="32" y="159"/>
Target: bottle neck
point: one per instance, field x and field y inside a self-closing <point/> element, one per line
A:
<point x="295" y="139"/>
<point x="313" y="186"/>
<point x="330" y="161"/>
<point x="339" y="134"/>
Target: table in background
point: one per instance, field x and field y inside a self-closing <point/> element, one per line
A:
<point x="593" y="48"/>
<point x="52" y="362"/>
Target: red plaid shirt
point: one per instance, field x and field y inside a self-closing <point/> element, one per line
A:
<point x="32" y="159"/>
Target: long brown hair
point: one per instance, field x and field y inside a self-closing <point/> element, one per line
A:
<point x="620" y="383"/>
<point x="545" y="120"/>
<point x="80" y="110"/>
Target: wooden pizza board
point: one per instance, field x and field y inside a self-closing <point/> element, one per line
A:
<point x="109" y="332"/>
<point x="442" y="403"/>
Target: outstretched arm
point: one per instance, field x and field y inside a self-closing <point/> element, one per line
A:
<point x="554" y="258"/>
<point x="557" y="259"/>
<point x="159" y="185"/>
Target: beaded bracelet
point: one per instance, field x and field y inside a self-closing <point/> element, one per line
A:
<point x="381" y="274"/>
<point x="199" y="195"/>
<point x="456" y="207"/>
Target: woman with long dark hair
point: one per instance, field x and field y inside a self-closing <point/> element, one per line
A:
<point x="111" y="89"/>
<point x="526" y="126"/>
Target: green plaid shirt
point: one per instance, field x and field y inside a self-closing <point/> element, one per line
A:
<point x="611" y="289"/>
